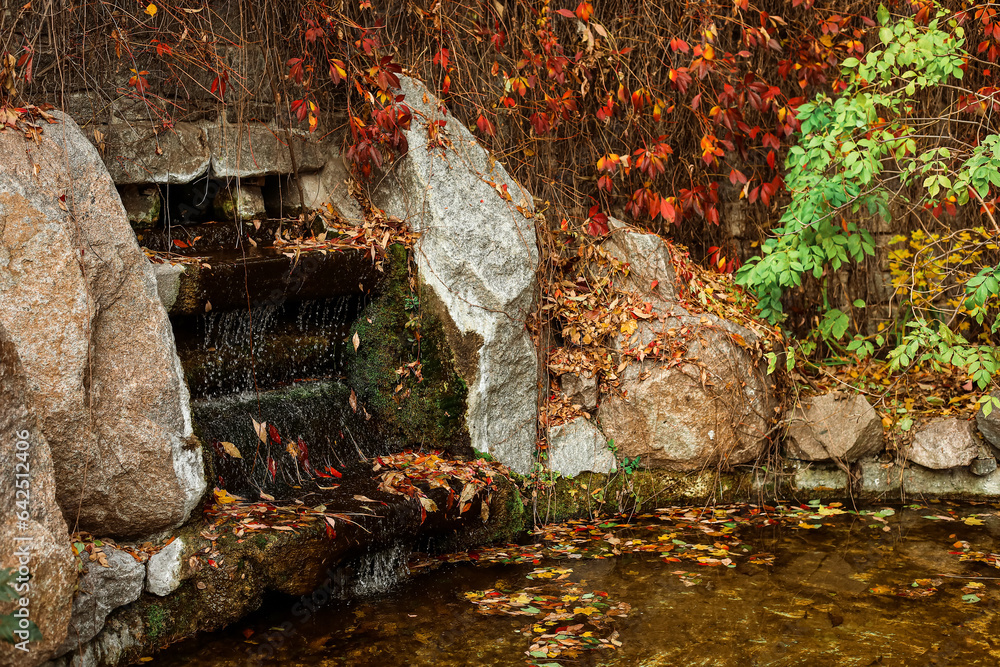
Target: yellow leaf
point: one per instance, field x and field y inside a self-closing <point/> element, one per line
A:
<point x="223" y="497"/>
<point x="628" y="327"/>
<point x="973" y="521"/>
<point x="151" y="9"/>
<point x="230" y="449"/>
<point x="829" y="511"/>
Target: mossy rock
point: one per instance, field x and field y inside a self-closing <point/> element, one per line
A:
<point x="429" y="412"/>
<point x="592" y="494"/>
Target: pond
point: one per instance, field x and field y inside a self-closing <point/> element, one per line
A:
<point x="817" y="584"/>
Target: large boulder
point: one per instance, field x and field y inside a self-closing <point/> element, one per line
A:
<point x="476" y="259"/>
<point x="32" y="530"/>
<point x="714" y="408"/>
<point x="834" y="426"/>
<point x="943" y="444"/>
<point x="79" y="302"/>
<point x="101" y="590"/>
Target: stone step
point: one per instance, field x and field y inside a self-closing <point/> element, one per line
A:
<point x="208" y="237"/>
<point x="253" y="277"/>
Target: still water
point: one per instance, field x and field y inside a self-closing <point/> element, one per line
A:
<point x="784" y="585"/>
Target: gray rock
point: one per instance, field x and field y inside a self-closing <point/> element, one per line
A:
<point x="168" y="282"/>
<point x="579" y="446"/>
<point x="324" y="189"/>
<point x="989" y="425"/>
<point x="100" y="591"/>
<point x="79" y="302"/>
<point x="943" y="444"/>
<point x="648" y="260"/>
<point x="240" y="202"/>
<point x="714" y="411"/>
<point x="476" y="259"/>
<point x="580" y="389"/>
<point x="142" y="206"/>
<point x="163" y="570"/>
<point x="983" y="466"/>
<point x="122" y="634"/>
<point x="893" y="482"/>
<point x="247" y="150"/>
<point x="834" y="426"/>
<point x="689" y="416"/>
<point x="818" y="476"/>
<point x="43" y="532"/>
<point x="135" y="153"/>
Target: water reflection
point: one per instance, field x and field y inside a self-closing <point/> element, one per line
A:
<point x="859" y="590"/>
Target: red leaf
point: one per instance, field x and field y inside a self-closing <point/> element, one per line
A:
<point x="667" y="209"/>
<point x="713" y="215"/>
<point x="565" y="12"/>
<point x="441" y="58"/>
<point x="273" y="434"/>
<point x="271" y="468"/>
<point x="485" y="126"/>
<point x="584" y="10"/>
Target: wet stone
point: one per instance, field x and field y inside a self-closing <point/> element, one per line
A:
<point x="143" y="206"/>
<point x="240" y="202"/>
<point x="983" y="466"/>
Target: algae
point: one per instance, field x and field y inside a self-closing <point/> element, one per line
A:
<point x="395" y="330"/>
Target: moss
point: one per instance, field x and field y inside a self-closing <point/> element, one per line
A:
<point x="155" y="621"/>
<point x="430" y="411"/>
<point x="590" y="494"/>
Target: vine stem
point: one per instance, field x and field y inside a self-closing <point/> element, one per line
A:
<point x="987" y="210"/>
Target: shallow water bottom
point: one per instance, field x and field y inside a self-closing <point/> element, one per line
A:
<point x="909" y="586"/>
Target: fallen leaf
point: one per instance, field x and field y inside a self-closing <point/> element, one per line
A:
<point x="230" y="449"/>
<point x="260" y="428"/>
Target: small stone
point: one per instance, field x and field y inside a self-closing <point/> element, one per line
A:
<point x="578" y="446"/>
<point x="834" y="426"/>
<point x="982" y="466"/>
<point x="580" y="390"/>
<point x="164" y="569"/>
<point x="943" y="444"/>
<point x="143" y="206"/>
<point x="100" y="591"/>
<point x="240" y="202"/>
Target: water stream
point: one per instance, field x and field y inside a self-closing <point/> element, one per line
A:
<point x="917" y="585"/>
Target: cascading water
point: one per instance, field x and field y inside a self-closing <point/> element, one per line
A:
<point x="270" y="345"/>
